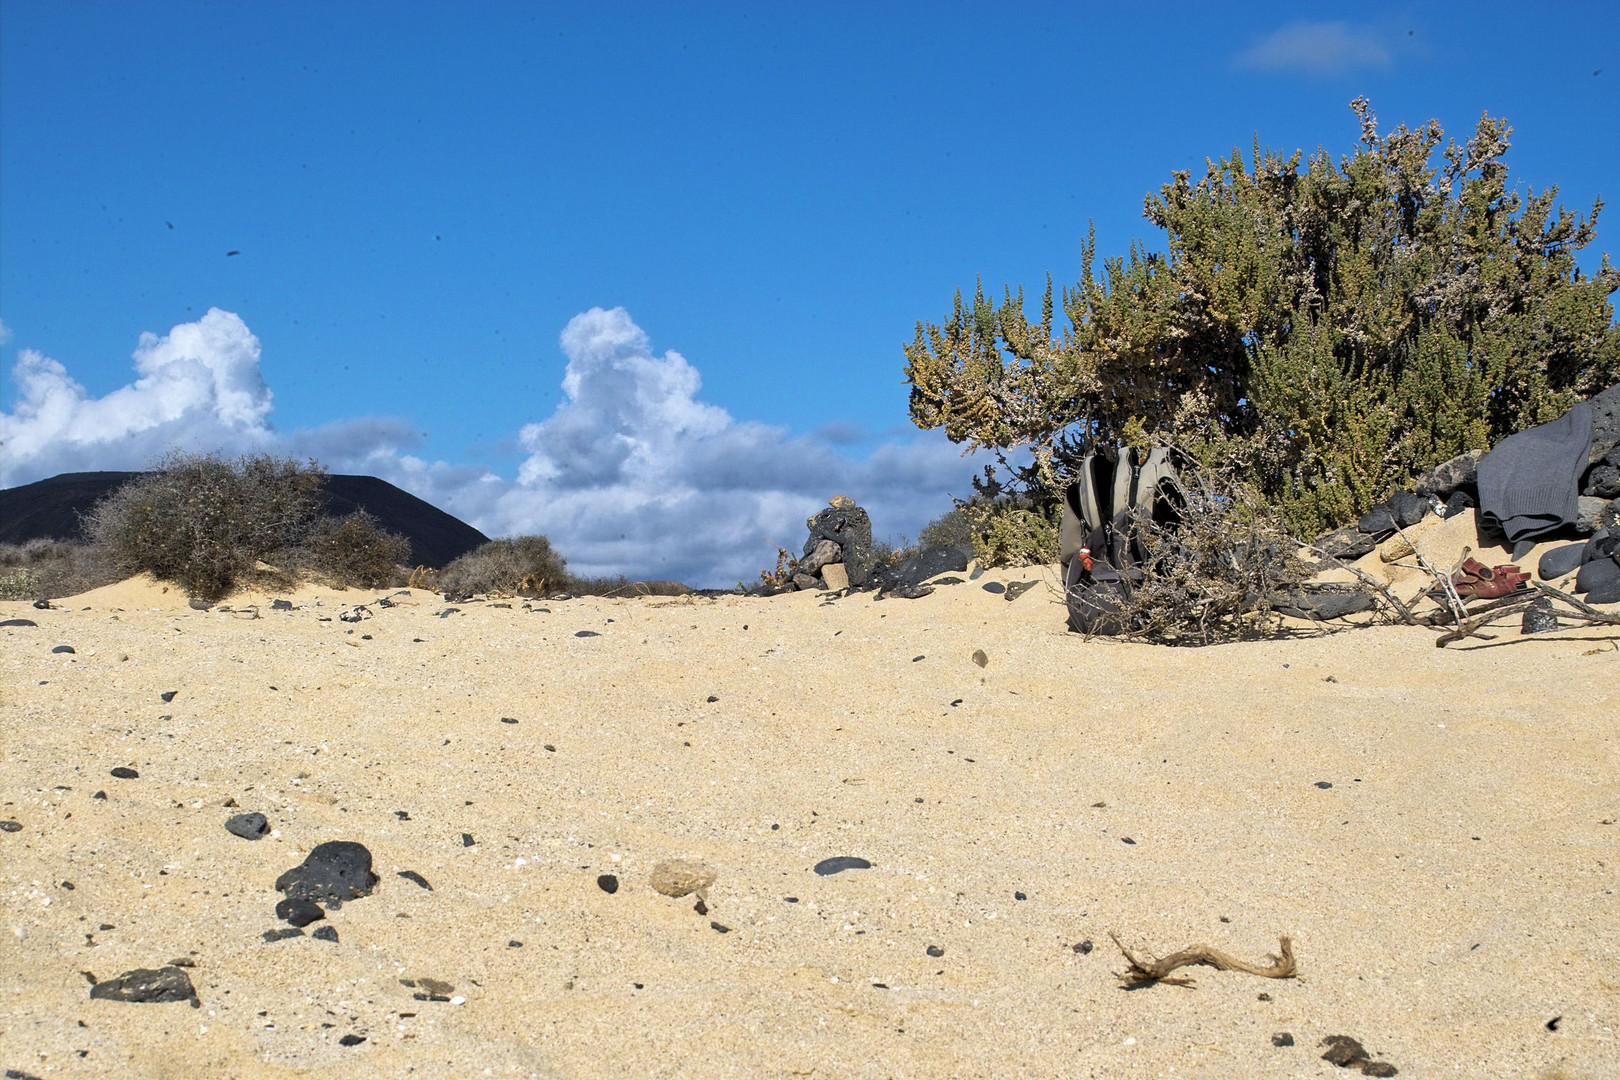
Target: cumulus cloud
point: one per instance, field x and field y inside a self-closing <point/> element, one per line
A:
<point x="1329" y="48"/>
<point x="632" y="473"/>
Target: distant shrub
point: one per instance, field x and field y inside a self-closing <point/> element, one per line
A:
<point x="1006" y="534"/>
<point x="353" y="550"/>
<point x="515" y="564"/>
<point x="953" y="529"/>
<point x="623" y="586"/>
<point x="48" y="569"/>
<point x="203" y="522"/>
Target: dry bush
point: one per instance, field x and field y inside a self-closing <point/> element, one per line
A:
<point x="525" y="564"/>
<point x="202" y="521"/>
<point x="1219" y="573"/>
<point x="48" y="569"/>
<point x="353" y="550"/>
<point x="623" y="586"/>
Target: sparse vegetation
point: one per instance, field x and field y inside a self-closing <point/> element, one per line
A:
<point x="210" y="524"/>
<point x="45" y="569"/>
<point x="522" y="565"/>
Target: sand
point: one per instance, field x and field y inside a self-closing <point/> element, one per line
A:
<point x="1449" y="895"/>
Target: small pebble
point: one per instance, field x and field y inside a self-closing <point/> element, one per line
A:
<point x="68" y="885"/>
<point x="1126" y="840"/>
<point x="1019" y="896"/>
<point x="325" y="933"/>
<point x="299" y="912"/>
<point x="1323" y="784"/>
<point x="514" y="944"/>
<point x="935" y="951"/>
<point x="981" y="658"/>
<point x="124" y="772"/>
<point x="168" y="695"/>
<point x="10" y="826"/>
<point x="713" y="699"/>
<point x="721" y="929"/>
<point x="18" y="622"/>
<point x="248" y="826"/>
<point x="70" y="650"/>
<point x="413" y="876"/>
<point x="587" y="633"/>
<point x="607" y="883"/>
<point x="102" y="795"/>
<point x="467" y="840"/>
<point x="351" y="1040"/>
<point x="1282" y="1038"/>
<point x="839" y="863"/>
<point x="403" y="815"/>
<point x="1084" y="947"/>
<point x="281" y="933"/>
<point x="508" y="720"/>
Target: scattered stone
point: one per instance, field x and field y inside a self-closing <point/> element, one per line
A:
<point x="230" y="802"/>
<point x="820" y="553"/>
<point x="1589" y="514"/>
<point x="1456" y="503"/>
<point x="299" y="912"/>
<point x="168" y="695"/>
<point x="949" y="579"/>
<point x="1282" y="1038"/>
<point x="835" y="576"/>
<point x="248" y="826"/>
<point x="1344" y="1051"/>
<point x="1015" y="589"/>
<point x="403" y="815"/>
<point x="1348" y="543"/>
<point x="1395" y="549"/>
<point x="841" y="502"/>
<point x="337" y="870"/>
<point x="351" y="1040"/>
<point x="325" y="933"/>
<point x="910" y="592"/>
<point x="1324" y="784"/>
<point x="413" y="876"/>
<point x="124" y="772"/>
<point x="587" y="633"/>
<point x="607" y="883"/>
<point x="447" y="612"/>
<point x="357" y="614"/>
<point x="18" y="622"/>
<point x="700" y="907"/>
<point x="1448" y="476"/>
<point x="281" y="933"/>
<point x="43" y="605"/>
<point x="433" y="986"/>
<point x="10" y="826"/>
<point x="839" y="863"/>
<point x="102" y="795"/>
<point x="1539" y="617"/>
<point x="514" y="944"/>
<point x="508" y="720"/>
<point x="467" y="839"/>
<point x="550" y="749"/>
<point x="981" y="658"/>
<point x="935" y="951"/>
<point x="1126" y="840"/>
<point x="722" y="929"/>
<point x="1084" y="948"/>
<point x="995" y="587"/>
<point x="183" y="961"/>
<point x="1019" y="896"/>
<point x="682" y="877"/>
<point x="147" y="986"/>
<point x="712" y="699"/>
<point x="281" y="605"/>
<point x="68" y="649"/>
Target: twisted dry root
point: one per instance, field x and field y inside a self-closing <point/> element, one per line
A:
<point x="1148" y="972"/>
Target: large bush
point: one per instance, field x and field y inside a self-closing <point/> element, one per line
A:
<point x="45" y="569"/>
<point x="206" y="523"/>
<point x="1329" y="328"/>
<point x="511" y="564"/>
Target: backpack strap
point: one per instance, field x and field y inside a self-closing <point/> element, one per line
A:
<point x="1123" y="495"/>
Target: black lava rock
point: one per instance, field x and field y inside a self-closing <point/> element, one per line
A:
<point x="351" y="1040"/>
<point x="1015" y="589"/>
<point x="839" y="863"/>
<point x="1379" y="521"/>
<point x="1348" y="543"/>
<point x="508" y="720"/>
<point x="169" y="695"/>
<point x="281" y="933"/>
<point x="1282" y="1038"/>
<point x="248" y="826"/>
<point x="607" y="883"/>
<point x="336" y="870"/>
<point x="281" y="605"/>
<point x="1084" y="948"/>
<point x="68" y="649"/>
<point x="587" y="633"/>
<point x="10" y="826"/>
<point x="1408" y="508"/>
<point x="467" y="839"/>
<point x="18" y="622"/>
<point x="413" y="876"/>
<point x="1603" y="482"/>
<point x="1539" y="617"/>
<point x="935" y="951"/>
<point x="994" y="587"/>
<point x="325" y="933"/>
<point x="1344" y="1051"/>
<point x="299" y="912"/>
<point x="148" y="986"/>
<point x="1324" y="784"/>
<point x="124" y="772"/>
<point x="851" y="529"/>
<point x="928" y="563"/>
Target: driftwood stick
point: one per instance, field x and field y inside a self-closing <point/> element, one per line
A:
<point x="1444" y="580"/>
<point x="1580" y="605"/>
<point x="1405" y="612"/>
<point x="1479" y="622"/>
<point x="1149" y="971"/>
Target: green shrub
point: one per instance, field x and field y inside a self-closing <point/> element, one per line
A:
<point x="515" y="564"/>
<point x="203" y="522"/>
<point x="1006" y="534"/>
<point x="353" y="550"/>
<point x="952" y="529"/>
<point x="623" y="586"/>
<point x="48" y="569"/>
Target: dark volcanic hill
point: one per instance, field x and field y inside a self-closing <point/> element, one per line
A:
<point x="51" y="509"/>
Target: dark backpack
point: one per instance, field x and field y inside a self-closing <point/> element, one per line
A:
<point x="1099" y="553"/>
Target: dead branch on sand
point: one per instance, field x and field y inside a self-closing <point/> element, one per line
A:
<point x="1583" y="614"/>
<point x="1148" y="972"/>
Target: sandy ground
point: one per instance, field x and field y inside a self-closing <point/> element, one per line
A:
<point x="1449" y="895"/>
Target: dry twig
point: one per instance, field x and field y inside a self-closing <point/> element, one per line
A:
<point x="1148" y="972"/>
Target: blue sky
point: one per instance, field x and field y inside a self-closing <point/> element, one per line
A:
<point x="424" y="196"/>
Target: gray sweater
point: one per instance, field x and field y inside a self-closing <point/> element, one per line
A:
<point x="1529" y="482"/>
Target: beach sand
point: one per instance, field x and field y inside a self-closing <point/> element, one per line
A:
<point x="1435" y="829"/>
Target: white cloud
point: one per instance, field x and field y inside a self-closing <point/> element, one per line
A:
<point x="5" y="333"/>
<point x="633" y="473"/>
<point x="1331" y="48"/>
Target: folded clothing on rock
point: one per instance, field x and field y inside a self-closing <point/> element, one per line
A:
<point x="1529" y="483"/>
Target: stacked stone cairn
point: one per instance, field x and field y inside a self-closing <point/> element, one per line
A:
<point x="838" y="553"/>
